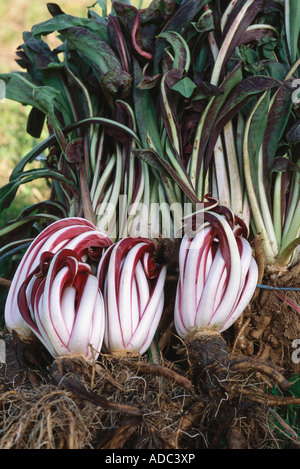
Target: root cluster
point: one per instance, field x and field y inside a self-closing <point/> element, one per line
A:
<point x="205" y="398"/>
<point x="270" y="324"/>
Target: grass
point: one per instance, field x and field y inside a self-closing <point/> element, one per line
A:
<point x="14" y="144"/>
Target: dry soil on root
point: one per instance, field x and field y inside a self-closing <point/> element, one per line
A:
<point x="269" y="325"/>
<point x="126" y="403"/>
<point x="114" y="403"/>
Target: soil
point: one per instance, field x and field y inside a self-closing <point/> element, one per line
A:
<point x="269" y="326"/>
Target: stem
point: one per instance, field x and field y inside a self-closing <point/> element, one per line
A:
<point x="277" y="217"/>
<point x="236" y="197"/>
<point x="292" y="223"/>
<point x="96" y="170"/>
<point x="226" y="43"/>
<point x="85" y="195"/>
<point x="255" y="209"/>
<point x="264" y="206"/>
<point x="220" y="174"/>
<point x="196" y="168"/>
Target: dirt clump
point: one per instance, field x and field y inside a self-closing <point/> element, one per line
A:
<point x="270" y="324"/>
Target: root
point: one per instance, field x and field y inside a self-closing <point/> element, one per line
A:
<point x="262" y="398"/>
<point x="235" y="437"/>
<point x="246" y="364"/>
<point x="118" y="438"/>
<point x="210" y="356"/>
<point x="168" y="373"/>
<point x="283" y="427"/>
<point x="260" y="259"/>
<point x="269" y="324"/>
<point x="58" y="374"/>
<point x="44" y="419"/>
<point x="235" y="379"/>
<point x="4" y="282"/>
<point x="115" y="403"/>
<point x="209" y="398"/>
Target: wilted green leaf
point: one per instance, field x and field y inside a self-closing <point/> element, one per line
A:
<point x="95" y="50"/>
<point x="292" y="24"/>
<point x="62" y="22"/>
<point x="180" y="48"/>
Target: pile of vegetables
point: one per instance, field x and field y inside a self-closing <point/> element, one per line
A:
<point x="172" y="151"/>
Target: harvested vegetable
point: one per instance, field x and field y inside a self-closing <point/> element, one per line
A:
<point x="217" y="276"/>
<point x="70" y="233"/>
<point x="156" y="115"/>
<point x="133" y="288"/>
<point x="62" y="304"/>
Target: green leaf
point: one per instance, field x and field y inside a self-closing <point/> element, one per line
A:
<point x="144" y="110"/>
<point x="15" y="225"/>
<point x="150" y="157"/>
<point x="9" y="190"/>
<point x="94" y="49"/>
<point x="266" y="47"/>
<point x="236" y="100"/>
<point x="287" y="251"/>
<point x="44" y="97"/>
<point x="279" y="114"/>
<point x="205" y="23"/>
<point x="293" y="135"/>
<point x="186" y="87"/>
<point x="117" y="83"/>
<point x="181" y="50"/>
<point x="207" y="121"/>
<point x="61" y="22"/>
<point x="292" y="24"/>
<point x="257" y="135"/>
<point x="160" y="165"/>
<point x="102" y="4"/>
<point x="41" y="147"/>
<point x="295" y="387"/>
<point x="31" y="155"/>
<point x="20" y="87"/>
<point x="179" y="22"/>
